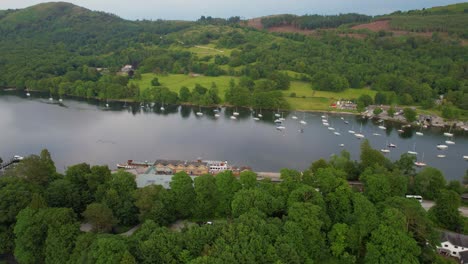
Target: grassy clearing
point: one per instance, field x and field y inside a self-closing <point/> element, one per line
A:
<point x="175" y="81"/>
<point x="314" y="100"/>
<point x="311" y="103"/>
<point x="304" y="89"/>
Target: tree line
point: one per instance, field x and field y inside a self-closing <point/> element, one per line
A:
<point x="310" y="216"/>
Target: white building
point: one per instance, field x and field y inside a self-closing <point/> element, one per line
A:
<point x="454" y="245"/>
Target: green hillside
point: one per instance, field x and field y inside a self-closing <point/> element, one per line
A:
<point x="61" y="49"/>
<point x="452" y="19"/>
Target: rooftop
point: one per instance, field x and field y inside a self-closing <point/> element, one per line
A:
<point x="455" y="238"/>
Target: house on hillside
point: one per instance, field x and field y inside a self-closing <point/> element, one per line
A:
<point x="454" y="245"/>
<point x="127" y="70"/>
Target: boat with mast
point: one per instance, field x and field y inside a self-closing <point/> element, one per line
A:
<point x="303" y="122"/>
<point x="420" y="163"/>
<point x="385" y="150"/>
<point x="448" y="134"/>
<point x="359" y="135"/>
<point x="199" y="113"/>
<point x="413" y="152"/>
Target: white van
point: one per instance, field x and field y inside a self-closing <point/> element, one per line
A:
<point x="417" y="197"/>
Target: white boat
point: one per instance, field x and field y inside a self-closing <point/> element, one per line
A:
<point x="294" y="117"/>
<point x="391" y="145"/>
<point x="346" y="122"/>
<point x="324" y="117"/>
<point x="280" y="127"/>
<point x="326" y="124"/>
<point x="376" y="134"/>
<point x="465" y="157"/>
<point x="385" y="150"/>
<point x="441" y="156"/>
<point x="277" y="114"/>
<point x="419" y="134"/>
<point x="256" y="118"/>
<point x="359" y="136"/>
<point x="420" y="163"/>
<point x="331" y="128"/>
<point x="277" y="121"/>
<point x="449" y="142"/>
<point x="51" y="99"/>
<point x="216" y="115"/>
<point x="342" y="145"/>
<point x="351" y="132"/>
<point x="235" y="113"/>
<point x="107" y="105"/>
<point x="400" y="130"/>
<point x="337" y="133"/>
<point x="448" y="134"/>
<point x="303" y="122"/>
<point x="260" y="115"/>
<point x="441" y="146"/>
<point x="216" y="110"/>
<point x="342" y="118"/>
<point x="413" y="152"/>
<point x="60" y="100"/>
<point x="233" y="117"/>
<point x="199" y="113"/>
<point x="162" y="108"/>
<point x="281" y="119"/>
<point x="28" y="94"/>
<point x="382" y="127"/>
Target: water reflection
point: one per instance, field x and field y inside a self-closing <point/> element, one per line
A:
<point x="78" y="130"/>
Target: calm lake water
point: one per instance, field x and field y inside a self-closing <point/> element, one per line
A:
<point x="87" y="131"/>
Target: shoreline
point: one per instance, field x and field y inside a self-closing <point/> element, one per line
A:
<point x="327" y="111"/>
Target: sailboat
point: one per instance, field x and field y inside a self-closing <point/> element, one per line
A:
<point x="420" y="163"/>
<point x="382" y="126"/>
<point x="441" y="156"/>
<point x="107" y="103"/>
<point x="303" y="122"/>
<point x="28" y="94"/>
<point x="385" y="150"/>
<point x="391" y="145"/>
<point x="294" y="117"/>
<point x="448" y="134"/>
<point x="260" y="114"/>
<point x="331" y="128"/>
<point x="277" y="114"/>
<point x="337" y="133"/>
<point x="162" y="107"/>
<point x="419" y="133"/>
<point x="450" y="142"/>
<point x="352" y="131"/>
<point x="60" y="100"/>
<point x="281" y="118"/>
<point x="359" y="135"/>
<point x="235" y="113"/>
<point x="413" y="152"/>
<point x="199" y="113"/>
<point x="442" y="147"/>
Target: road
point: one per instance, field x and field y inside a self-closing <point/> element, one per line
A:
<point x="428" y="204"/>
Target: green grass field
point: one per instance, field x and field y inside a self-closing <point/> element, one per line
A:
<point x="304" y="89"/>
<point x="175" y="81"/>
<point x="314" y="100"/>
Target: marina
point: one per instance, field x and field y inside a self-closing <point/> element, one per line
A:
<point x="87" y="131"/>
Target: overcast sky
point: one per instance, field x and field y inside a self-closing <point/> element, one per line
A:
<point x="193" y="9"/>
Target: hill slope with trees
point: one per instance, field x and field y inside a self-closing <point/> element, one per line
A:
<point x="63" y="49"/>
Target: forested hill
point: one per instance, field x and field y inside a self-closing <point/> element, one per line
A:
<point x="64" y="49"/>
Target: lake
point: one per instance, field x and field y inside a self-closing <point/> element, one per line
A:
<point x="77" y="131"/>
